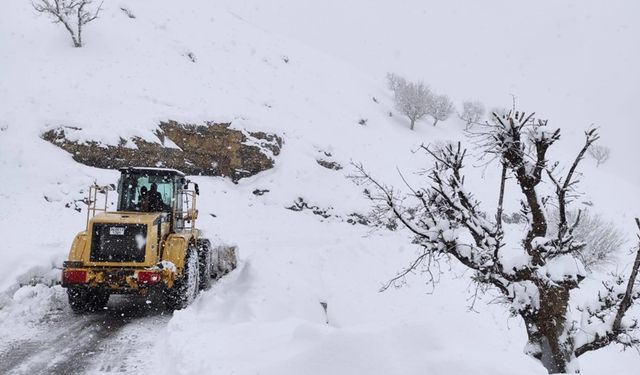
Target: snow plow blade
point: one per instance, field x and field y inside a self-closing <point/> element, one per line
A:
<point x="225" y="260"/>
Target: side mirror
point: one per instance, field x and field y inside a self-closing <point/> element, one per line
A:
<point x="197" y="188"/>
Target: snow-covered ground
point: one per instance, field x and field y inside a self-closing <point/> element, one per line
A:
<point x="308" y="71"/>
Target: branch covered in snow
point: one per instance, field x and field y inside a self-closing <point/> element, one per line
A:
<point x="565" y="242"/>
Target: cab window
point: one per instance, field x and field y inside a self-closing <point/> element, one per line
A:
<point x="145" y="192"/>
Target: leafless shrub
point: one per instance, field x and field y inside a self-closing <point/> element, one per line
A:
<point x="602" y="239"/>
<point x="472" y="112"/>
<point x="412" y="99"/>
<point x="440" y="108"/>
<point x="600" y="154"/>
<point x="73" y="14"/>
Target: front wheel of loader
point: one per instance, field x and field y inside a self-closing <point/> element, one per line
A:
<point x="186" y="288"/>
<point x="87" y="300"/>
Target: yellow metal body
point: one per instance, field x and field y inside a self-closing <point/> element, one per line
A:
<point x="163" y="245"/>
<point x="80" y="249"/>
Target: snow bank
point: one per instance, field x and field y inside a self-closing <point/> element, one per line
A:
<point x="267" y="316"/>
<point x="23" y="311"/>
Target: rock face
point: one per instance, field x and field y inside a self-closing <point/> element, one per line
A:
<point x="209" y="150"/>
<point x="329" y="164"/>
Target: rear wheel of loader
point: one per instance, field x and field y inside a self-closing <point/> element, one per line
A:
<point x="186" y="288"/>
<point x="83" y="299"/>
<point x="205" y="257"/>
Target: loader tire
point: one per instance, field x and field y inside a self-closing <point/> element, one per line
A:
<point x="205" y="257"/>
<point x="186" y="288"/>
<point x="87" y="300"/>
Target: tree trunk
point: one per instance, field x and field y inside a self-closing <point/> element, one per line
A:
<point x="539" y="221"/>
<point x="546" y="329"/>
<point x="413" y="121"/>
<point x="76" y="42"/>
<point x="435" y="121"/>
<point x="503" y="181"/>
<point x="79" y="43"/>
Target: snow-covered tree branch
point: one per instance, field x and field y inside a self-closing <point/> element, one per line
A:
<point x="536" y="275"/>
<point x="72" y="14"/>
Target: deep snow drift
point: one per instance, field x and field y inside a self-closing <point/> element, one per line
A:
<point x="267" y="316"/>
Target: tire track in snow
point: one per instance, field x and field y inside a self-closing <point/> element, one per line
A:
<point x="68" y="343"/>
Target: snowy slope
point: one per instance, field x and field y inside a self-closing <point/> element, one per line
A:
<point x="573" y="61"/>
<point x="252" y="67"/>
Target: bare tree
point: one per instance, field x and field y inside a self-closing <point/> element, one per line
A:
<point x="446" y="220"/>
<point x="602" y="238"/>
<point x="440" y="107"/>
<point x="600" y="154"/>
<point x="472" y="112"/>
<point x="73" y="14"/>
<point x="411" y="99"/>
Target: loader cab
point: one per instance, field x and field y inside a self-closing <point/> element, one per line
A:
<point x="150" y="190"/>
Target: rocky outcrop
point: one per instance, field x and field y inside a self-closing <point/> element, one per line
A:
<point x="329" y="164"/>
<point x="211" y="149"/>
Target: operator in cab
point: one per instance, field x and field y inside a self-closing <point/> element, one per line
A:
<point x="152" y="200"/>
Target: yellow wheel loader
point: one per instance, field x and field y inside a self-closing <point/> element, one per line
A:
<point x="149" y="245"/>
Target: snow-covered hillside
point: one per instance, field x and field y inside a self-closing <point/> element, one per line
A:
<point x="283" y="67"/>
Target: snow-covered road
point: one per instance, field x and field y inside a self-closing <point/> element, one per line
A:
<point x="117" y="340"/>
